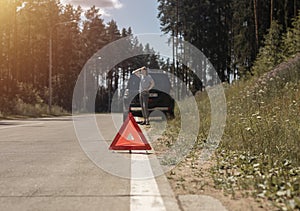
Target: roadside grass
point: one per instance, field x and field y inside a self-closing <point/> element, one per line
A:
<point x="25" y="110"/>
<point x="26" y="101"/>
<point x="259" y="154"/>
<point x="260" y="150"/>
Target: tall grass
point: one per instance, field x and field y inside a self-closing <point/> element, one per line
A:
<point x="263" y="114"/>
<point x="260" y="150"/>
<point x="26" y="101"/>
<point x="21" y="109"/>
<point x="259" y="154"/>
<point x="36" y="110"/>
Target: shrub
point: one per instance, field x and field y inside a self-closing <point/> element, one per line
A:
<point x="29" y="94"/>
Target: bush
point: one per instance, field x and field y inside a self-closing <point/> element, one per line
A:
<point x="28" y="94"/>
<point x="25" y="100"/>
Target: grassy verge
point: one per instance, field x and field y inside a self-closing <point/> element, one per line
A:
<point x="259" y="155"/>
<point x="25" y="110"/>
<point x="260" y="150"/>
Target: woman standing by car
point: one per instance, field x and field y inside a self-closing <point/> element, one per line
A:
<point x="146" y="83"/>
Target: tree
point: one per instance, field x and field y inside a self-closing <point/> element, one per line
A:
<point x="204" y="24"/>
<point x="68" y="55"/>
<point x="270" y="54"/>
<point x="244" y="39"/>
<point x="291" y="40"/>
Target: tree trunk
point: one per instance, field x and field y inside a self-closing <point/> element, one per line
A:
<point x="271" y="11"/>
<point x="286" y="13"/>
<point x="295" y="8"/>
<point x="15" y="46"/>
<point x="256" y="23"/>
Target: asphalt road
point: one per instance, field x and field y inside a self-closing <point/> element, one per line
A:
<point x="43" y="167"/>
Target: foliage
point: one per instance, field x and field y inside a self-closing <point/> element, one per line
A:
<point x="270" y="54"/>
<point x="27" y="30"/>
<point x="35" y="110"/>
<point x="28" y="94"/>
<point x="291" y="40"/>
<point x="278" y="47"/>
<point x="259" y="153"/>
<point x="255" y="176"/>
<point x="228" y="32"/>
<point x="243" y="40"/>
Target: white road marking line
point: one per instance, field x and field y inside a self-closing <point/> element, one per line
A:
<point x="24" y="125"/>
<point x="144" y="193"/>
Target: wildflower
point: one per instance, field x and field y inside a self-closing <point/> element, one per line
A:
<point x="256" y="165"/>
<point x="263" y="82"/>
<point x="248" y="128"/>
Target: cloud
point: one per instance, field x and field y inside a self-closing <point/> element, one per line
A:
<point x="103" y="4"/>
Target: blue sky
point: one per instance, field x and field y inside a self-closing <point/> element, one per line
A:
<point x="140" y="15"/>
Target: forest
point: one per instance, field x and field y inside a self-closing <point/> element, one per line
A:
<point x="231" y="32"/>
<point x="45" y="44"/>
<point x="38" y="35"/>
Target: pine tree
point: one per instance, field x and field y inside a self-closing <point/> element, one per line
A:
<point x="243" y="37"/>
<point x="270" y="54"/>
<point x="291" y="40"/>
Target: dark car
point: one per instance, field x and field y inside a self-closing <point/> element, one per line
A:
<point x="159" y="96"/>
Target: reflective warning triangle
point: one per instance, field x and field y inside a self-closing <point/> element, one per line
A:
<point x="130" y="137"/>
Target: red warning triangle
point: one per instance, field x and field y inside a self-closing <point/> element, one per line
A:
<point x="130" y="137"/>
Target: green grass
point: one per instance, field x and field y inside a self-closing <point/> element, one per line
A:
<point x="263" y="114"/>
<point x="259" y="154"/>
<point x="260" y="150"/>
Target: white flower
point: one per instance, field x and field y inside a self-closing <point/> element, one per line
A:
<point x="261" y="91"/>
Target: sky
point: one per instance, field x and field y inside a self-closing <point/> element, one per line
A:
<point x="140" y="15"/>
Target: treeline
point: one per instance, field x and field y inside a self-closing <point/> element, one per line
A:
<point x="229" y="32"/>
<point x="38" y="35"/>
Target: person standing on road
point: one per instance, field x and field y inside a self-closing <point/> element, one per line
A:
<point x="146" y="83"/>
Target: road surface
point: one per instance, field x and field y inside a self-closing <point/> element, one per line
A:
<point x="44" y="167"/>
